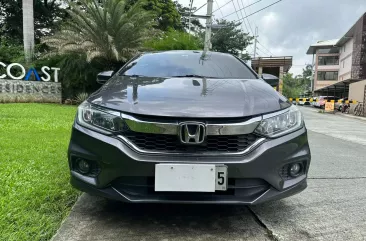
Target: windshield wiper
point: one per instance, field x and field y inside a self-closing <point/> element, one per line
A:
<point x="193" y="75"/>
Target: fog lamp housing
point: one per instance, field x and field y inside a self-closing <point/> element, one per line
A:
<point x="295" y="169"/>
<point x="83" y="166"/>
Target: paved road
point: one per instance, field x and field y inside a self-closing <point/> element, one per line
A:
<point x="333" y="207"/>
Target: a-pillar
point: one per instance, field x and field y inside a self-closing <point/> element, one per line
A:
<point x="280" y="83"/>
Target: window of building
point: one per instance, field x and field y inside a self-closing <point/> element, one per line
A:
<point x="343" y="63"/>
<point x="344" y="48"/>
<point x="327" y="75"/>
<point x="328" y="60"/>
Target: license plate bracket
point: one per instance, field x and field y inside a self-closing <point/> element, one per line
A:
<point x="190" y="177"/>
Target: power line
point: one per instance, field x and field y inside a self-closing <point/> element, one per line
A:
<point x="242" y="17"/>
<point x="219" y="7"/>
<point x="250" y="26"/>
<point x="261" y="51"/>
<point x="237" y="15"/>
<point x="260" y="10"/>
<point x="254" y="25"/>
<point x="264" y="48"/>
<point x="222" y="6"/>
<point x="246" y="15"/>
<point x="257" y="12"/>
<point x="242" y="8"/>
<point x="200" y="7"/>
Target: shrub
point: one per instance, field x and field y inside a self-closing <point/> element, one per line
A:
<point x="174" y="40"/>
<point x="10" y="52"/>
<point x="81" y="97"/>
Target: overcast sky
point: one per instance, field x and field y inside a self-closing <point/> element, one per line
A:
<point x="289" y="27"/>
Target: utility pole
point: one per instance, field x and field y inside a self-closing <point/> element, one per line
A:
<point x="255" y="41"/>
<point x="189" y="18"/>
<point x="207" y="45"/>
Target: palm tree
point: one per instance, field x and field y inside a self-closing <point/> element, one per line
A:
<point x="28" y="30"/>
<point x="103" y="29"/>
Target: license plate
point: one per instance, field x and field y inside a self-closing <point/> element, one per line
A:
<point x="190" y="177"/>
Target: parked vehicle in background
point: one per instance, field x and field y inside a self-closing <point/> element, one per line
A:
<point x="314" y="101"/>
<point x="339" y="105"/>
<point x="323" y="99"/>
<point x="304" y="101"/>
<point x="345" y="108"/>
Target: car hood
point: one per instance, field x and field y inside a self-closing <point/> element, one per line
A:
<point x="189" y="97"/>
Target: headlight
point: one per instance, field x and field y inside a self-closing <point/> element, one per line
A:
<point x="274" y="126"/>
<point x="98" y="118"/>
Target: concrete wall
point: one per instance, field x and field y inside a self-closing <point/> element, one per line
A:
<point x="356" y="91"/>
<point x="345" y="61"/>
<point x="29" y="91"/>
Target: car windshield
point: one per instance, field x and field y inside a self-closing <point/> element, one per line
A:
<point x="188" y="64"/>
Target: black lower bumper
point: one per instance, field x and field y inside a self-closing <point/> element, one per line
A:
<point x="129" y="176"/>
<point x="149" y="196"/>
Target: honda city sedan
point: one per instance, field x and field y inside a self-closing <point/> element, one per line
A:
<point x="188" y="127"/>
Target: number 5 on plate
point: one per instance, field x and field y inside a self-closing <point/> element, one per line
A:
<point x="221" y="178"/>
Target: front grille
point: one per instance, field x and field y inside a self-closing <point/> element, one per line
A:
<point x="171" y="143"/>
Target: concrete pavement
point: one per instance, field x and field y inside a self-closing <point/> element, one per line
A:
<point x="333" y="207"/>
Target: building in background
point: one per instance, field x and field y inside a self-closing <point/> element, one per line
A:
<point x="340" y="63"/>
<point x="276" y="66"/>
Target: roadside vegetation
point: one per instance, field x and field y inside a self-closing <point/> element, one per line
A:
<point x="299" y="85"/>
<point x="84" y="37"/>
<point x="35" y="194"/>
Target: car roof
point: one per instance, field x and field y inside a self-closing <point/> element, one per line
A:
<point x="189" y="52"/>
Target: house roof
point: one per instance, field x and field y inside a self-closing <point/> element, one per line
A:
<point x="322" y="45"/>
<point x="276" y="61"/>
<point x="349" y="33"/>
<point x="338" y="87"/>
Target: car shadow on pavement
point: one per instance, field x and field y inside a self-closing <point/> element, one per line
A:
<point x="109" y="220"/>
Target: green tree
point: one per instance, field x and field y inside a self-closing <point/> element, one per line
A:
<point x="292" y="86"/>
<point x="11" y="52"/>
<point x="174" y="40"/>
<point x="109" y="32"/>
<point x="230" y="39"/>
<point x="307" y="75"/>
<point x="185" y="19"/>
<point x="48" y="14"/>
<point x="165" y="11"/>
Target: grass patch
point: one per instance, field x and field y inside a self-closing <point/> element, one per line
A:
<point x="35" y="194"/>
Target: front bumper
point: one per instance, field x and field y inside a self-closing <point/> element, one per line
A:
<point x="129" y="176"/>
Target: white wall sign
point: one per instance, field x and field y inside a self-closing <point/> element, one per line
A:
<point x="47" y="72"/>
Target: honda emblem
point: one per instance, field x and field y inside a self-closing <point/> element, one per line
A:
<point x="192" y="132"/>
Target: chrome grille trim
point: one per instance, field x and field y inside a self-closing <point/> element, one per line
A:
<point x="247" y="150"/>
<point x="142" y="126"/>
<point x="172" y="128"/>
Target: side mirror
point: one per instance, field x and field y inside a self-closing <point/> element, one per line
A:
<point x="270" y="79"/>
<point x="104" y="77"/>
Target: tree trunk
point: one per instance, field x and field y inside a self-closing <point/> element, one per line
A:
<point x="28" y="30"/>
